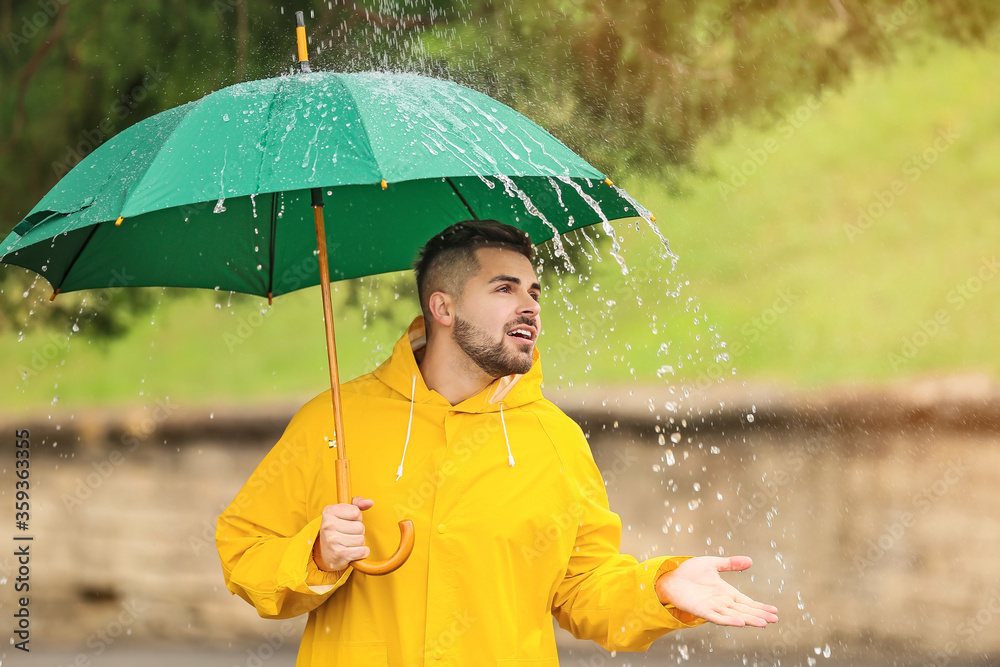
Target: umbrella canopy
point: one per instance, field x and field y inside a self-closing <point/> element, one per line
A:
<point x="216" y="193"/>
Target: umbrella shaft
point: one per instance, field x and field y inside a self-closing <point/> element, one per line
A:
<point x="331" y="339"/>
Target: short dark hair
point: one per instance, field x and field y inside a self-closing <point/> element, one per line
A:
<point x="448" y="260"/>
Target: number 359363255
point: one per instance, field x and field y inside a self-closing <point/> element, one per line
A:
<point x="22" y="465"/>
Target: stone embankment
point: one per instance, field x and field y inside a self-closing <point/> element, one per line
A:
<point x="869" y="511"/>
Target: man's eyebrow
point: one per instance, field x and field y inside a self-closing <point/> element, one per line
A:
<point x="504" y="278"/>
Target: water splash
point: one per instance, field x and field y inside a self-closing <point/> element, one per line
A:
<point x="605" y="223"/>
<point x="512" y="190"/>
<point x="220" y="205"/>
<point x="647" y="216"/>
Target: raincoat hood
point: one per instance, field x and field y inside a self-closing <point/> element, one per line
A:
<point x="402" y="374"/>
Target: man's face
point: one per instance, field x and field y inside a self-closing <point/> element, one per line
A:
<point x="497" y="317"/>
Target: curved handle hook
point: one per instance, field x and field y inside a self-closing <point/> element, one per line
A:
<point x="379" y="567"/>
<point x="406" y="533"/>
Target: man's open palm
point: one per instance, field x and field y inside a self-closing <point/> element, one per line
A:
<point x="696" y="587"/>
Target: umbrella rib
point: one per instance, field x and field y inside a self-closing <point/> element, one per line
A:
<point x="270" y="258"/>
<point x="83" y="246"/>
<point x="471" y="212"/>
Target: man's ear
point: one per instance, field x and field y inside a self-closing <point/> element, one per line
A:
<point x="442" y="308"/>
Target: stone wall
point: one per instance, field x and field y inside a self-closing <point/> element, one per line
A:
<point x="871" y="517"/>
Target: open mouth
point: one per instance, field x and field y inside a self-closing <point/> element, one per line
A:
<point x="522" y="334"/>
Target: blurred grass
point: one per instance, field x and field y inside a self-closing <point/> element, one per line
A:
<point x="793" y="228"/>
<point x="778" y="239"/>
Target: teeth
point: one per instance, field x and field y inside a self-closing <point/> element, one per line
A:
<point x="521" y="332"/>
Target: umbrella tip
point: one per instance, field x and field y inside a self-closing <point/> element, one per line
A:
<point x="118" y="222"/>
<point x="270" y="299"/>
<point x="53" y="297"/>
<point x="300" y="38"/>
<point x="608" y="181"/>
<point x="652" y="218"/>
<point x="384" y="184"/>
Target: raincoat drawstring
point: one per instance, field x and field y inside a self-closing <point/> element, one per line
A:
<point x="413" y="391"/>
<point x="510" y="457"/>
<point x="409" y="425"/>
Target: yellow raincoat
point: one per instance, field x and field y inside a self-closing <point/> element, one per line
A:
<point x="511" y="518"/>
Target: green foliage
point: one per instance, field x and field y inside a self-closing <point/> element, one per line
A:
<point x="632" y="86"/>
<point x="784" y="270"/>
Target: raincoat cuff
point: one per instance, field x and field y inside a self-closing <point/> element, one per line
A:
<point x="681" y="619"/>
<point x="321" y="581"/>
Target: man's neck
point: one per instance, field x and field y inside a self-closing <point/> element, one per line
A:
<point x="449" y="372"/>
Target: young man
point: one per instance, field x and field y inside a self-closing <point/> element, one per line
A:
<point x="510" y="512"/>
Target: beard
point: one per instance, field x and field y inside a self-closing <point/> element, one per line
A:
<point x="492" y="357"/>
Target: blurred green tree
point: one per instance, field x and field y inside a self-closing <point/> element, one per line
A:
<point x="631" y="86"/>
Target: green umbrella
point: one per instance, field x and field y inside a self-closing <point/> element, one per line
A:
<point x="217" y="193"/>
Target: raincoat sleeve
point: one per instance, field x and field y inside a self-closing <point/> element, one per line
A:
<point x="265" y="537"/>
<point x="607" y="596"/>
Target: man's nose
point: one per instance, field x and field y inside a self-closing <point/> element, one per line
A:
<point x="530" y="306"/>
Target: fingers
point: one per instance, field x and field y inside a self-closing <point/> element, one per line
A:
<point x="347" y="512"/>
<point x="349" y="555"/>
<point x="741" y="616"/>
<point x="734" y="563"/>
<point x="750" y="602"/>
<point x="720" y="618"/>
<point x="342" y="534"/>
<point x="748" y="612"/>
<point x="362" y="503"/>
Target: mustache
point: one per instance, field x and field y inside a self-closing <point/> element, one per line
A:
<point x="530" y="321"/>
